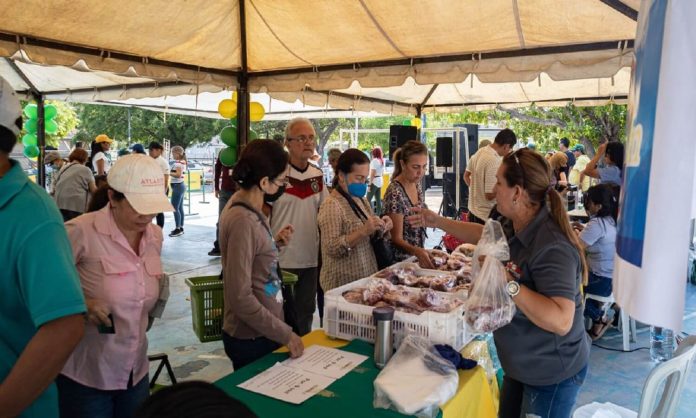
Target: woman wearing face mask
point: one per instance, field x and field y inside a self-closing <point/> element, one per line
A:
<point x="346" y="251"/>
<point x="403" y="194"/>
<point x="253" y="324"/>
<point x="117" y="253"/>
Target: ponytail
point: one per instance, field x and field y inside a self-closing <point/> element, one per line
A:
<point x="560" y="217"/>
<point x="405" y="152"/>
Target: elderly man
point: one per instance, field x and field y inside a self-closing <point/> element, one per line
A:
<point x="299" y="206"/>
<point x="41" y="302"/>
<point x="576" y="177"/>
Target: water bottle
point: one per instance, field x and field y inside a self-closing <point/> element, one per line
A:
<point x="661" y="344"/>
<point x="384" y="339"/>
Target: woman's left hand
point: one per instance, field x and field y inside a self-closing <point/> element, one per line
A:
<point x="388" y="224"/>
<point x="284" y="235"/>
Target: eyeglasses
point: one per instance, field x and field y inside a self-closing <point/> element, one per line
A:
<point x="302" y="139"/>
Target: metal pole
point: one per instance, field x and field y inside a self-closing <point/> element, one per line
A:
<point x="129" y="126"/>
<point x="243" y="92"/>
<point x="41" y="140"/>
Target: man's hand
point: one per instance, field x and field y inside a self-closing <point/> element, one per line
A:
<point x="284" y="235"/>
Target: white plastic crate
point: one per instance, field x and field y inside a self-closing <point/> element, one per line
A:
<point x="348" y="321"/>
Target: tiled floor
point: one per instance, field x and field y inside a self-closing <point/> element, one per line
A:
<point x="614" y="376"/>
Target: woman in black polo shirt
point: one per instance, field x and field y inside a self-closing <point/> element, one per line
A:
<point x="544" y="351"/>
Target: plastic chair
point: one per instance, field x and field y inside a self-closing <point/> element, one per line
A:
<point x="673" y="373"/>
<point x="627" y="325"/>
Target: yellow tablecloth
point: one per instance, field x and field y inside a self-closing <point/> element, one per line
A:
<point x="475" y="398"/>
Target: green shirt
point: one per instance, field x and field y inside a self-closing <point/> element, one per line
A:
<point x="39" y="282"/>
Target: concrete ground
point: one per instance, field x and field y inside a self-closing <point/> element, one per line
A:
<point x="614" y="376"/>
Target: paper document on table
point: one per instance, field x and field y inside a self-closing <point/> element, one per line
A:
<point x="326" y="361"/>
<point x="287" y="383"/>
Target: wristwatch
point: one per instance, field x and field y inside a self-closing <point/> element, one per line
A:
<point x="513" y="288"/>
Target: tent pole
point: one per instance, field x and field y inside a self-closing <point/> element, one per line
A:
<point x="41" y="140"/>
<point x="243" y="77"/>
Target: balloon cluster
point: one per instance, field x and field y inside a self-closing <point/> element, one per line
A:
<point x="228" y="110"/>
<point x="417" y="122"/>
<point x="30" y="142"/>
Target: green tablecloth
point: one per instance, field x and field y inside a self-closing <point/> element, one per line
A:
<point x="351" y="396"/>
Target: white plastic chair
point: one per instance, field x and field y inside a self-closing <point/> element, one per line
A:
<point x="627" y="325"/>
<point x="673" y="373"/>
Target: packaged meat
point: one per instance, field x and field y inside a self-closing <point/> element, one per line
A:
<point x="489" y="306"/>
<point x="465" y="249"/>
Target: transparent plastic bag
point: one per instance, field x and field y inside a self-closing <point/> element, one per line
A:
<point x="489" y="306"/>
<point x="493" y="243"/>
<point x="416" y="381"/>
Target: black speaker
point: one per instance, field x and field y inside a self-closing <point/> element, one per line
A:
<point x="399" y="135"/>
<point x="450" y="208"/>
<point x="473" y="139"/>
<point x="443" y="151"/>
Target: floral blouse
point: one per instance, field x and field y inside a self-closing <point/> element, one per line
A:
<point x="396" y="201"/>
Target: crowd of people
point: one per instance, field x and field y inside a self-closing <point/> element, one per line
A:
<point x="86" y="328"/>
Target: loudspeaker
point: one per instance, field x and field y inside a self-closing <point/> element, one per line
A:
<point x="450" y="208"/>
<point x="473" y="138"/>
<point x="443" y="151"/>
<point x="399" y="135"/>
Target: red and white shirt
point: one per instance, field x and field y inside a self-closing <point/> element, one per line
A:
<point x="299" y="206"/>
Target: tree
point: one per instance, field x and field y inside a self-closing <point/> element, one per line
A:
<point x="590" y="126"/>
<point x="146" y="125"/>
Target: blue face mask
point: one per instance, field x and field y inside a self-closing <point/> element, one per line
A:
<point x="357" y="189"/>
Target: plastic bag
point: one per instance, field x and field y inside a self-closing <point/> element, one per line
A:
<point x="493" y="243"/>
<point x="489" y="306"/>
<point x="416" y="381"/>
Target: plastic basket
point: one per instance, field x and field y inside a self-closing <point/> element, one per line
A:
<point x="206" y="307"/>
<point x="348" y="321"/>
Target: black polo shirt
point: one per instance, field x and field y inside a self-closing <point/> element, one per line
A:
<point x="551" y="266"/>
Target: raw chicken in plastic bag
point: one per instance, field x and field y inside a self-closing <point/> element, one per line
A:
<point x="489" y="306"/>
<point x="493" y="243"/>
<point x="417" y="380"/>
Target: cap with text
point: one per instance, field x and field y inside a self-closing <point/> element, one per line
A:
<point x="140" y="179"/>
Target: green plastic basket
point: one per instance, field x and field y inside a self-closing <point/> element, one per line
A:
<point x="207" y="307"/>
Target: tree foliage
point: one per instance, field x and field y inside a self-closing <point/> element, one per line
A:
<point x="145" y="126"/>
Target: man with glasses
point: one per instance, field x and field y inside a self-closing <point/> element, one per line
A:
<point x="299" y="206"/>
<point x="480" y="175"/>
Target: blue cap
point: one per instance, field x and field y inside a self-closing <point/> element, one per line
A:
<point x="138" y="148"/>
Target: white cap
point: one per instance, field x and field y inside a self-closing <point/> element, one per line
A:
<point x="140" y="178"/>
<point x="10" y="110"/>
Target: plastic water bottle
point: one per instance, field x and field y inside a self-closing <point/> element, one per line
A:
<point x="661" y="344"/>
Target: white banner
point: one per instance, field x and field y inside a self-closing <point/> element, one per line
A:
<point x="656" y="202"/>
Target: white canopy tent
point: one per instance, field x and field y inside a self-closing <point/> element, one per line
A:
<point x="387" y="56"/>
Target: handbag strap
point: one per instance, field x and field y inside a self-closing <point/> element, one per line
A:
<point x="358" y="212"/>
<point x="258" y="215"/>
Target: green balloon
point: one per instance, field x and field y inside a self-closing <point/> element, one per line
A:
<point x="228" y="157"/>
<point x="30" y="125"/>
<point x="253" y="135"/>
<point x="234" y="121"/>
<point x="51" y="127"/>
<point x="228" y="135"/>
<point x="31" y="111"/>
<point x="31" y="151"/>
<point x="29" y="140"/>
<point x="406" y="122"/>
<point x="50" y="112"/>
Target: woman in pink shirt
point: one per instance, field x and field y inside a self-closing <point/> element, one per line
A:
<point x="117" y="254"/>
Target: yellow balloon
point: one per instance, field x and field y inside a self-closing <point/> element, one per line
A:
<point x="234" y="96"/>
<point x="256" y="111"/>
<point x="416" y="122"/>
<point x="227" y="109"/>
